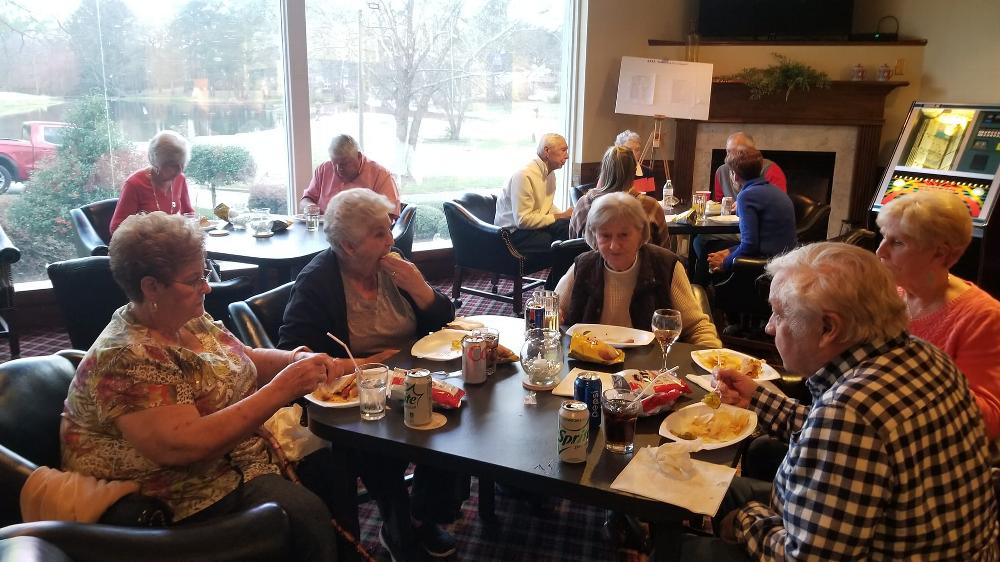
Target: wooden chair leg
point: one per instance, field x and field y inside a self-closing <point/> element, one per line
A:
<point x="518" y="296"/>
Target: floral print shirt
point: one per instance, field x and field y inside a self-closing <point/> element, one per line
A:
<point x="127" y="371"/>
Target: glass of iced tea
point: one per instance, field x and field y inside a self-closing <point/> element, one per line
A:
<point x="621" y="408"/>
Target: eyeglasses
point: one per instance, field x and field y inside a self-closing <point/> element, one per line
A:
<point x="197" y="281"/>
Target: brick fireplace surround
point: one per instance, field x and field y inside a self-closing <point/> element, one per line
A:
<point x="846" y="119"/>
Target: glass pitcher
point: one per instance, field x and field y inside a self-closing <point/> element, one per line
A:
<point x="542" y="359"/>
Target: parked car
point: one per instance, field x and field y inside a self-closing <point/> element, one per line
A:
<point x="19" y="157"/>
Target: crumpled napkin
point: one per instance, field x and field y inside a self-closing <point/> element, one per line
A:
<point x="461" y="323"/>
<point x="701" y="492"/>
<point x="674" y="459"/>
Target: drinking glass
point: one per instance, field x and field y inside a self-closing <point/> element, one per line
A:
<point x="620" y="408"/>
<point x="238" y="216"/>
<point x="726" y="207"/>
<point x="698" y="203"/>
<point x="666" y="328"/>
<point x="491" y="337"/>
<point x="373" y="378"/>
<point x="312" y="217"/>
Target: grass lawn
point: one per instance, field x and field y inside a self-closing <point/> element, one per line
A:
<point x="13" y="103"/>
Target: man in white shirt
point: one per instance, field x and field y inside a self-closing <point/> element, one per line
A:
<point x="525" y="204"/>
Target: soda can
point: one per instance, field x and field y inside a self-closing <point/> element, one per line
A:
<point x="417" y="398"/>
<point x="474" y="359"/>
<point x="587" y="389"/>
<point x="534" y="315"/>
<point x="574" y="431"/>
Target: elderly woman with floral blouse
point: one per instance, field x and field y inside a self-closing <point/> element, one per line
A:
<point x="167" y="398"/>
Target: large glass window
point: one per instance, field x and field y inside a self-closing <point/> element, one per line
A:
<point x="108" y="75"/>
<point x="449" y="95"/>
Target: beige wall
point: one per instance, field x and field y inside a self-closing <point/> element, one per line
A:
<point x="617" y="28"/>
<point x="962" y="56"/>
<point x="960" y="63"/>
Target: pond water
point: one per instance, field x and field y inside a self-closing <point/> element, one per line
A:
<point x="141" y="119"/>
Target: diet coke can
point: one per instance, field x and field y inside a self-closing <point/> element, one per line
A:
<point x="417" y="398"/>
<point x="574" y="431"/>
<point x="474" y="359"/>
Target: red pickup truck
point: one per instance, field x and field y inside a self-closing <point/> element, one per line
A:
<point x="18" y="157"/>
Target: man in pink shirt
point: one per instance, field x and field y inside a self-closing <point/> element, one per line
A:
<point x="348" y="168"/>
<point x="724" y="183"/>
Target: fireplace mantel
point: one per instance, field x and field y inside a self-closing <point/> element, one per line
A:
<point x="854" y="104"/>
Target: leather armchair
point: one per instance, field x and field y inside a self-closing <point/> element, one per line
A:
<point x="480" y="245"/>
<point x="579" y="191"/>
<point x="88" y="295"/>
<point x="32" y="392"/>
<point x="811" y="218"/>
<point x="9" y="255"/>
<point x="402" y="231"/>
<point x="564" y="252"/>
<point x="93" y="227"/>
<point x="258" y="318"/>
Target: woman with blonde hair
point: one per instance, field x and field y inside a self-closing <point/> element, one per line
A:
<point x="924" y="235"/>
<point x="617" y="175"/>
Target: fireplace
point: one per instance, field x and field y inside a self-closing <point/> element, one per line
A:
<point x="845" y="120"/>
<point x="808" y="172"/>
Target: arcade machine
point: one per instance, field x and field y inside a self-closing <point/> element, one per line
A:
<point x="954" y="148"/>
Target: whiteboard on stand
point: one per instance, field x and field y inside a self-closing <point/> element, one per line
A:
<point x="655" y="87"/>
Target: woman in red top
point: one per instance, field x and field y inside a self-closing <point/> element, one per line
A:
<point x="925" y="233"/>
<point x="161" y="186"/>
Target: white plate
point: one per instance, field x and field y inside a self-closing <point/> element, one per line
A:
<point x="210" y="225"/>
<point x="437" y="346"/>
<point x="680" y="419"/>
<point x="302" y="218"/>
<point x="616" y="336"/>
<point x="724" y="219"/>
<point x="703" y="358"/>
<point x="324" y="403"/>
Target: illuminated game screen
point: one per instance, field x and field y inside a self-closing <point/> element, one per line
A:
<point x="972" y="191"/>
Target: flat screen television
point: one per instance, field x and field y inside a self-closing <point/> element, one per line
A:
<point x="775" y="19"/>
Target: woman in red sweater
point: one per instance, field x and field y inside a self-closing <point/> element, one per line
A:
<point x="161" y="186"/>
<point x="925" y="233"/>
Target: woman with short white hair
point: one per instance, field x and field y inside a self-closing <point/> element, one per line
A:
<point x="925" y="233"/>
<point x="374" y="300"/>
<point x="161" y="186"/>
<point x="626" y="278"/>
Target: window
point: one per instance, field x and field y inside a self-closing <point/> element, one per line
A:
<point x="91" y="81"/>
<point x="451" y="96"/>
<point x="120" y="71"/>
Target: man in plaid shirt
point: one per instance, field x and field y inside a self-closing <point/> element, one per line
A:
<point x="891" y="460"/>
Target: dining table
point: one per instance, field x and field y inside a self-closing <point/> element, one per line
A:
<point x="285" y="252"/>
<point x="505" y="433"/>
<point x="707" y="226"/>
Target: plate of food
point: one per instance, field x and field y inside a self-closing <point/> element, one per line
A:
<point x="616" y="336"/>
<point x="724" y="219"/>
<point x="207" y="224"/>
<point x="442" y="345"/>
<point x="716" y="428"/>
<point x="341" y="393"/>
<point x="708" y="359"/>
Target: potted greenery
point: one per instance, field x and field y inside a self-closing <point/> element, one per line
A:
<point x="785" y="76"/>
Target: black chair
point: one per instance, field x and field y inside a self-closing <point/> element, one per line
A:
<point x="402" y="231"/>
<point x="9" y="255"/>
<point x="579" y="191"/>
<point x="482" y="246"/>
<point x="32" y="392"/>
<point x="87" y="295"/>
<point x="92" y="223"/>
<point x="811" y="218"/>
<point x="257" y="319"/>
<point x="564" y="252"/>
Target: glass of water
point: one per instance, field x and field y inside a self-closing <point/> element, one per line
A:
<point x="312" y="217"/>
<point x="373" y="379"/>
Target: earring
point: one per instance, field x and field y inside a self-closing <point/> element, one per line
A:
<point x="155" y="306"/>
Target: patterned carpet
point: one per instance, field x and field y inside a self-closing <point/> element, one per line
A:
<point x="564" y="531"/>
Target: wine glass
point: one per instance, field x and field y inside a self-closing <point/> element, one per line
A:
<point x="666" y="328"/>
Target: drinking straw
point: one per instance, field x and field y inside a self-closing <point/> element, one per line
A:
<point x="343" y="345"/>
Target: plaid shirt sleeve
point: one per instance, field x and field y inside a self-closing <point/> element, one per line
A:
<point x="836" y="476"/>
<point x="777" y="414"/>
